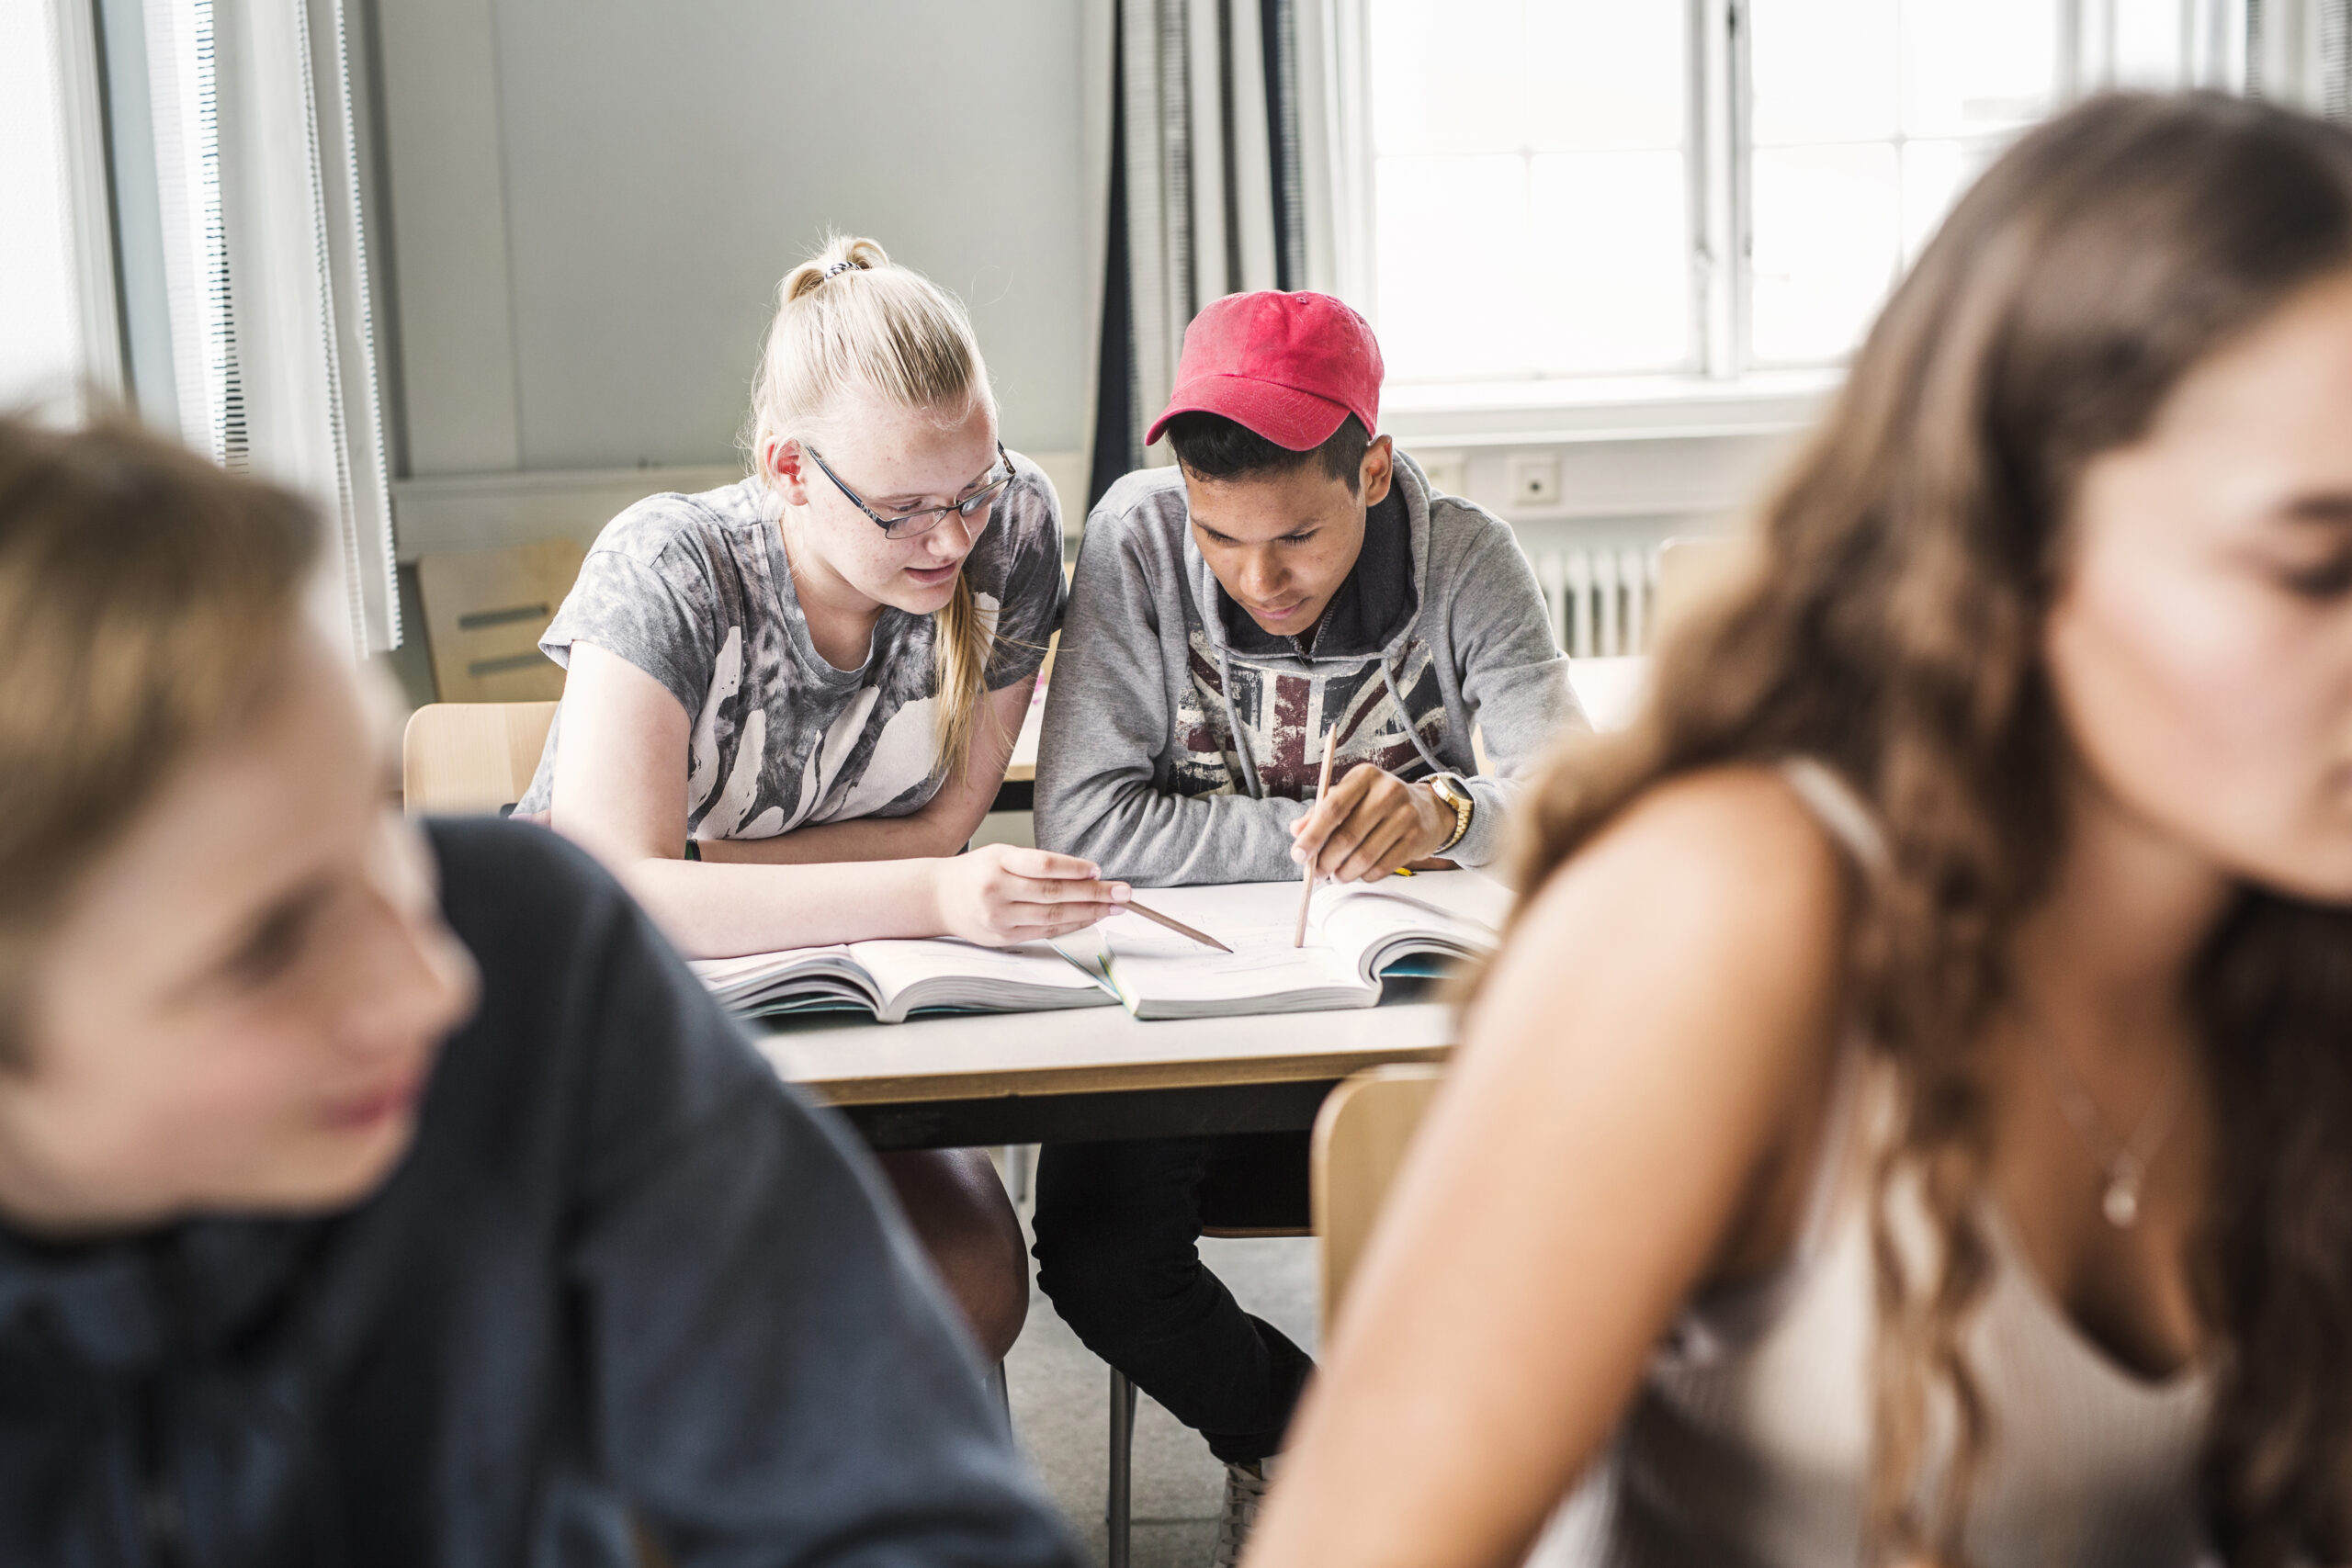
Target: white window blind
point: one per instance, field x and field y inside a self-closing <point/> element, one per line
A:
<point x="185" y="109"/>
<point x="266" y="266"/>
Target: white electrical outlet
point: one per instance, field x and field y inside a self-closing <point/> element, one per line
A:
<point x="1535" y="480"/>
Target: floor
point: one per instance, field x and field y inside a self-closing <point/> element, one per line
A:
<point x="1061" y="1411"/>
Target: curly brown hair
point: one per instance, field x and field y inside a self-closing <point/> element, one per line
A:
<point x="1892" y="630"/>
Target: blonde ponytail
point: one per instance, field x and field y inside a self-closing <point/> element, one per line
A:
<point x="849" y="319"/>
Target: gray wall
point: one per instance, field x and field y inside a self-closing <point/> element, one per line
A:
<point x="591" y="202"/>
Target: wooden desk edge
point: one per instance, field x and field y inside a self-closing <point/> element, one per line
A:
<point x="1110" y="1077"/>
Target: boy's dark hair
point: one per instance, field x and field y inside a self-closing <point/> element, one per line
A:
<point x="1212" y="447"/>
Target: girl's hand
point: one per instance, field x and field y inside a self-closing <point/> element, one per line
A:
<point x="999" y="895"/>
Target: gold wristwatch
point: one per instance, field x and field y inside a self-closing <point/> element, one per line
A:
<point x="1453" y="790"/>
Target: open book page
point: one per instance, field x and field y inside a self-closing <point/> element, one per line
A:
<point x="943" y="972"/>
<point x="892" y="979"/>
<point x="824" y="976"/>
<point x="1353" y="933"/>
<point x="1384" y="921"/>
<point x="1162" y="974"/>
<point x="1465" y="895"/>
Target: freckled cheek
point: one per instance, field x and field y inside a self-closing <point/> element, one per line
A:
<point x="878" y="560"/>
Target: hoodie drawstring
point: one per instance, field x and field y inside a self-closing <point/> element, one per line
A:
<point x="1412" y="728"/>
<point x="1233" y="723"/>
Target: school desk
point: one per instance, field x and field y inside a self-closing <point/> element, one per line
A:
<point x="1038" y="1077"/>
<point x="1095" y="1072"/>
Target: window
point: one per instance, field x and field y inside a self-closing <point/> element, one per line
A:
<point x="1549" y="182"/>
<point x="41" y="347"/>
<point x="1508" y="137"/>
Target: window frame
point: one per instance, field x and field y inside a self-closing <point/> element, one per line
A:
<point x="93" y="378"/>
<point x="1719" y="174"/>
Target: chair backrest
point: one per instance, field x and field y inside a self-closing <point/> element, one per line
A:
<point x="1361" y="1137"/>
<point x="483" y="613"/>
<point x="458" y="756"/>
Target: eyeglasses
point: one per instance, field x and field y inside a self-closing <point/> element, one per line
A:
<point x="914" y="524"/>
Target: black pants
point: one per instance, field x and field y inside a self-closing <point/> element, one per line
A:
<point x="1118" y="1225"/>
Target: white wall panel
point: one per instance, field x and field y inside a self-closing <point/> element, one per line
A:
<point x="594" y="200"/>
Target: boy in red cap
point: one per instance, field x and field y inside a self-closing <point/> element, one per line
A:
<point x="1293" y="571"/>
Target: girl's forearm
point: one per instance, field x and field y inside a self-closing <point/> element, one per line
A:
<point x="718" y="910"/>
<point x="917" y="837"/>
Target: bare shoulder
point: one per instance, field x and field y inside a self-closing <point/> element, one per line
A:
<point x="1719" y="886"/>
<point x="1726" y="847"/>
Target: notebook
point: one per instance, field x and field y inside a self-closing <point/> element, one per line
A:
<point x="893" y="979"/>
<point x="1354" y="933"/>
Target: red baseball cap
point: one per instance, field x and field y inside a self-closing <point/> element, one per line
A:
<point x="1289" y="367"/>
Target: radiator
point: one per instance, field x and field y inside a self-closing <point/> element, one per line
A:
<point x="1599" y="600"/>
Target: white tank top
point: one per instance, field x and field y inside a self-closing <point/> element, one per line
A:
<point x="1748" y="1445"/>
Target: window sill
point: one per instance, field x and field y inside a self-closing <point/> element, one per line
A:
<point x="1565" y="412"/>
<point x="1678" y="448"/>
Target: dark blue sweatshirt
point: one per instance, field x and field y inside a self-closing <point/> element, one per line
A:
<point x="622" y="1274"/>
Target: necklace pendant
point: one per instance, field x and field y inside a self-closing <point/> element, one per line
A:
<point x="2120" y="1202"/>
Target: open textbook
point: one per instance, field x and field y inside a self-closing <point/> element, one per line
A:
<point x="1354" y="933"/>
<point x="893" y="979"/>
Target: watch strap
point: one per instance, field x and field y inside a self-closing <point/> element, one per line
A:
<point x="1459" y="797"/>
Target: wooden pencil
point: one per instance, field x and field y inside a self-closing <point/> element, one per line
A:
<point x="1179" y="927"/>
<point x="1322" y="788"/>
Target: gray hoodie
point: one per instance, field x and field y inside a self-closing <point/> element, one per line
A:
<point x="1140" y="769"/>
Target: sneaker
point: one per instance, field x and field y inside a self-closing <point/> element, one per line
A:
<point x="1245" y="1489"/>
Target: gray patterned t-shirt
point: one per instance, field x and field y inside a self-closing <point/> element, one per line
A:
<point x="694" y="591"/>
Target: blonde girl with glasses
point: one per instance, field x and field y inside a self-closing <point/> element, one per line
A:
<point x="792" y="699"/>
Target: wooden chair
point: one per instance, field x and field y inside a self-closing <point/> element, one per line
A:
<point x="458" y="756"/>
<point x="483" y="613"/>
<point x="1361" y="1135"/>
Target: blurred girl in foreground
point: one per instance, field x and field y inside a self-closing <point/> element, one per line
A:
<point x="379" y="1197"/>
<point x="1913" y="1110"/>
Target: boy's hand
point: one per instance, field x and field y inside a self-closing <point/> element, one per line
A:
<point x="1370" y="823"/>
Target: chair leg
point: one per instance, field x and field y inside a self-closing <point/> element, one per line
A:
<point x="1018" y="1160"/>
<point x="1118" y="1507"/>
